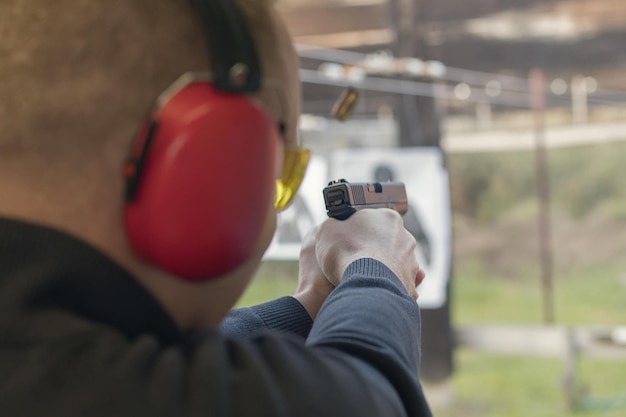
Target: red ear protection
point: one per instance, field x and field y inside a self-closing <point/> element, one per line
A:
<point x="200" y="180"/>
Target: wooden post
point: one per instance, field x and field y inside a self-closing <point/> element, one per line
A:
<point x="537" y="104"/>
<point x="419" y="125"/>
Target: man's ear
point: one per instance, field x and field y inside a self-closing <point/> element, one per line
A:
<point x="202" y="182"/>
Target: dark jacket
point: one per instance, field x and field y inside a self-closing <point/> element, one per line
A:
<point x="80" y="337"/>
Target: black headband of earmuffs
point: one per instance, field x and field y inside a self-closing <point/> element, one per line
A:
<point x="234" y="59"/>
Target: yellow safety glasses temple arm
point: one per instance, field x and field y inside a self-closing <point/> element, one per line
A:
<point x="294" y="168"/>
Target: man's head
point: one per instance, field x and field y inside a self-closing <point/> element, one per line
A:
<point x="82" y="76"/>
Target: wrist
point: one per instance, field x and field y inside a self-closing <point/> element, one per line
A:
<point x="312" y="297"/>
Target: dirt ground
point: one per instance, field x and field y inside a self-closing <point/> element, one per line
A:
<point x="509" y="247"/>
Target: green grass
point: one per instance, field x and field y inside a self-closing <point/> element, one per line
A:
<point x="605" y="383"/>
<point x="273" y="279"/>
<point x="506" y="386"/>
<point x="592" y="295"/>
<point x="480" y="298"/>
<point x="514" y="386"/>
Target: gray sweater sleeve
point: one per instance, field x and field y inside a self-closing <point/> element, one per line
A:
<point x="283" y="314"/>
<point x="371" y="317"/>
<point x="368" y="327"/>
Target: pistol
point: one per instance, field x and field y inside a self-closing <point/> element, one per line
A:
<point x="343" y="198"/>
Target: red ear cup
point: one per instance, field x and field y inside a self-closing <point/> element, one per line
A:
<point x="204" y="185"/>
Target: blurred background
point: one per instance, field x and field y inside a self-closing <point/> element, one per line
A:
<point x="507" y="121"/>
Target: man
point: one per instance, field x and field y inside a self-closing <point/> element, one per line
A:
<point x="92" y="323"/>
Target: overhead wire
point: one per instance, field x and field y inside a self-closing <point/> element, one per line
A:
<point x="514" y="90"/>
